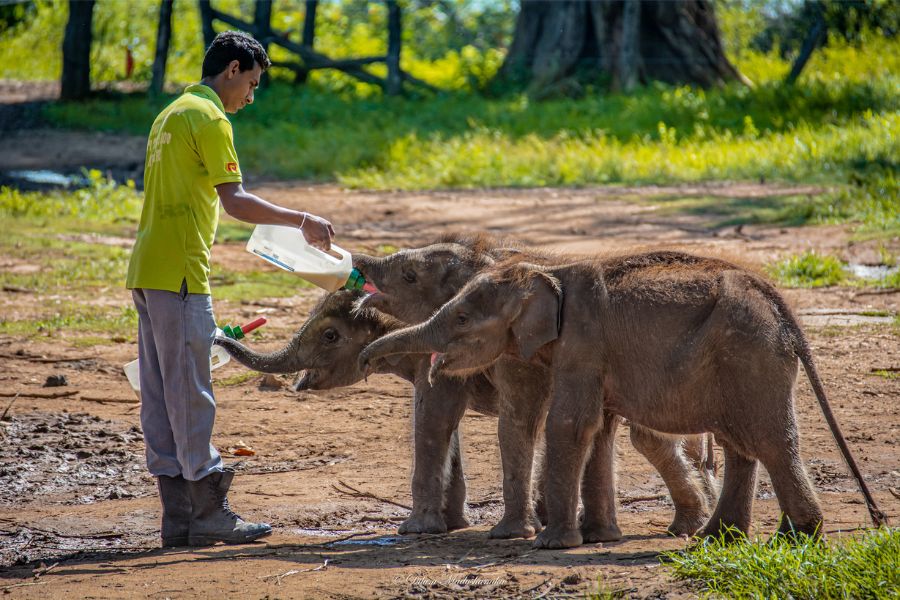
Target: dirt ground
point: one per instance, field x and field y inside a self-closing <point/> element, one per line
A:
<point x="79" y="516"/>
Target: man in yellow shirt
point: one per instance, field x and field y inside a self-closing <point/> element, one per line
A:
<point x="191" y="166"/>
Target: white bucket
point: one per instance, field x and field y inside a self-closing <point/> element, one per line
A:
<point x="218" y="356"/>
<point x="285" y="247"/>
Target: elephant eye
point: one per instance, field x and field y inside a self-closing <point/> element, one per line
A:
<point x="462" y="318"/>
<point x="409" y="276"/>
<point x="330" y="335"/>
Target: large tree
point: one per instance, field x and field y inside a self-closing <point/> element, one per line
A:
<point x="560" y="45"/>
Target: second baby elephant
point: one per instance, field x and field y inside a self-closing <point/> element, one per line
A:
<point x="675" y="342"/>
<point x="412" y="284"/>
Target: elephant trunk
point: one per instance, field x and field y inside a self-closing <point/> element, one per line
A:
<point x="410" y="340"/>
<point x="286" y="360"/>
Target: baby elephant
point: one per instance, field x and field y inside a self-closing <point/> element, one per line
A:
<point x="326" y="349"/>
<point x="678" y="343"/>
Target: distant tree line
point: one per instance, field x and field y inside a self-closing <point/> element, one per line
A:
<point x="558" y="47"/>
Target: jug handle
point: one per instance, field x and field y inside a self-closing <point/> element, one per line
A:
<point x="343" y="253"/>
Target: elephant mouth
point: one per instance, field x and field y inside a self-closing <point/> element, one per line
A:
<point x="304" y="381"/>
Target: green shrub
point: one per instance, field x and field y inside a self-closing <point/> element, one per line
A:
<point x="809" y="270"/>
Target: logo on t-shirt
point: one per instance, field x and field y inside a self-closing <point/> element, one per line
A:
<point x="231" y="167"/>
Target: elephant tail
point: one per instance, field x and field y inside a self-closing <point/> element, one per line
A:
<point x="804" y="353"/>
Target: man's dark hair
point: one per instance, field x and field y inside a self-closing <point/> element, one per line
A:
<point x="233" y="45"/>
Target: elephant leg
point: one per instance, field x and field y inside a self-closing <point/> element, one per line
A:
<point x="735" y="505"/>
<point x="598" y="486"/>
<point x="517" y="440"/>
<point x="436" y="415"/>
<point x="666" y="455"/>
<point x="455" y="493"/>
<point x="699" y="450"/>
<point x="574" y="419"/>
<point x="537" y="481"/>
<point x="800" y="509"/>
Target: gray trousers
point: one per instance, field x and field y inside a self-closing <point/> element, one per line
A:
<point x="175" y="334"/>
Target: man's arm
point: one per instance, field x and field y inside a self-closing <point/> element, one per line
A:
<point x="247" y="207"/>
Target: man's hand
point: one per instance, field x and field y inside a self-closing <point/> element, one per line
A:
<point x="317" y="231"/>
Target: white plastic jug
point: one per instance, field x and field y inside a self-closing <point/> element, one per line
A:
<point x="218" y="356"/>
<point x="285" y="247"/>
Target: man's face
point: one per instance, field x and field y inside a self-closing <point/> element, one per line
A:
<point x="238" y="87"/>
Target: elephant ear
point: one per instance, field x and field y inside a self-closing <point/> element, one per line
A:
<point x="539" y="320"/>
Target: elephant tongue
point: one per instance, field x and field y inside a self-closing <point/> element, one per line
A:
<point x="370" y="288"/>
<point x="434" y="357"/>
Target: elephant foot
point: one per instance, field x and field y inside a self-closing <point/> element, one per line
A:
<point x="555" y="537"/>
<point x="730" y="532"/>
<point x="426" y="522"/>
<point x="455" y="522"/>
<point x="515" y="527"/>
<point x="600" y="532"/>
<point x="799" y="533"/>
<point x="687" y="523"/>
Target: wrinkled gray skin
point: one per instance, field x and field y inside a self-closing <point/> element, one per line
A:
<point x="412" y="284"/>
<point x="326" y="349"/>
<point x="677" y="343"/>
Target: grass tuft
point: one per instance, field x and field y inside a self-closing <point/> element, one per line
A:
<point x="859" y="567"/>
<point x="808" y="270"/>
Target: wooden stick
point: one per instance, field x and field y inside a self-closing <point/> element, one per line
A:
<point x="44" y="359"/>
<point x="39" y="394"/>
<point x="110" y="400"/>
<point x="355" y="493"/>
<point x="8" y="406"/>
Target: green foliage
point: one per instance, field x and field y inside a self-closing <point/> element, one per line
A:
<point x="101" y="198"/>
<point x="861" y="567"/>
<point x="455" y="45"/>
<point x="809" y="270"/>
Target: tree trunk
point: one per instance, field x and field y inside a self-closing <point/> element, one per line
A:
<point x="309" y="35"/>
<point x="262" y="24"/>
<point x="560" y="45"/>
<point x="812" y="41"/>
<point x="206" y="23"/>
<point x="163" y="36"/>
<point x="76" y="71"/>
<point x="394" y="77"/>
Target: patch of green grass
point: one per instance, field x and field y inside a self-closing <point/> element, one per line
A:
<point x="237" y="379"/>
<point x="246" y="285"/>
<point x="385" y="249"/>
<point x="886" y="374"/>
<point x="808" y="270"/>
<point x="233" y="231"/>
<point x="73" y="318"/>
<point x="860" y="567"/>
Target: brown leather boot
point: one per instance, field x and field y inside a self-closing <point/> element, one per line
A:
<point x="176" y="510"/>
<point x="212" y="520"/>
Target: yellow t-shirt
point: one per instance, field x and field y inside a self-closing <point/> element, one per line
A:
<point x="190" y="151"/>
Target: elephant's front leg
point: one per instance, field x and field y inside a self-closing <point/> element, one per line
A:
<point x="598" y="486"/>
<point x="436" y="415"/>
<point x="517" y="439"/>
<point x="573" y="421"/>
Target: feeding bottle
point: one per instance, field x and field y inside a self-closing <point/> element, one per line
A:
<point x="218" y="356"/>
<point x="285" y="247"/>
